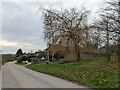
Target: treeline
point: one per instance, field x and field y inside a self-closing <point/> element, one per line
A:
<point x="7" y="57"/>
<point x="29" y="57"/>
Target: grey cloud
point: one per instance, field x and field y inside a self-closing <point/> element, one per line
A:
<point x="22" y="23"/>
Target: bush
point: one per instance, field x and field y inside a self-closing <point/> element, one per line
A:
<point x="34" y="60"/>
<point x="29" y="59"/>
<point x="21" y="58"/>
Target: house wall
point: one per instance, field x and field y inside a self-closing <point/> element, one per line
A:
<point x="70" y="55"/>
<point x="69" y="52"/>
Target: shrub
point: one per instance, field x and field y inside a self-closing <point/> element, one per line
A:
<point x="22" y="58"/>
<point x="34" y="60"/>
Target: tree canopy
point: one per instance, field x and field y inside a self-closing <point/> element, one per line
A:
<point x="19" y="52"/>
<point x="66" y="27"/>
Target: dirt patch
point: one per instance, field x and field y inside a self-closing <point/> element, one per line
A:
<point x="112" y="64"/>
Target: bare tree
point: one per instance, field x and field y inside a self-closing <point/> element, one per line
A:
<point x="101" y="27"/>
<point x="109" y="25"/>
<point x="112" y="11"/>
<point x="66" y="27"/>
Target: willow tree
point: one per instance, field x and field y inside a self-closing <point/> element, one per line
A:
<point x="66" y="27"/>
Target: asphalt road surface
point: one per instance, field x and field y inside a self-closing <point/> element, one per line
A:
<point x="16" y="76"/>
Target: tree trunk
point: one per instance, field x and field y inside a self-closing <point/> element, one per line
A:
<point x="77" y="52"/>
<point x="107" y="44"/>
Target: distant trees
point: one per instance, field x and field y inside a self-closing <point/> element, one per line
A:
<point x="66" y="27"/>
<point x="19" y="52"/>
<point x="7" y="57"/>
<point x="40" y="54"/>
<point x="19" y="56"/>
<point x="33" y="57"/>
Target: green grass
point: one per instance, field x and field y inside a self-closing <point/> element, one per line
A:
<point x="92" y="73"/>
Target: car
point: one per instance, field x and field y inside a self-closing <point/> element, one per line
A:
<point x="42" y="58"/>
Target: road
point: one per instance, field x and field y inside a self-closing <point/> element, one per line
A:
<point x="17" y="76"/>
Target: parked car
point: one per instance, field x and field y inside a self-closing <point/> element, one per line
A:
<point x="42" y="58"/>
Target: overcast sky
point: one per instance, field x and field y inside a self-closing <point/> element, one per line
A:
<point x="21" y="21"/>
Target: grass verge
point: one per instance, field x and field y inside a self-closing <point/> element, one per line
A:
<point x="93" y="73"/>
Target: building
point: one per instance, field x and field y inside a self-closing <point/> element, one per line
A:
<point x="69" y="52"/>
